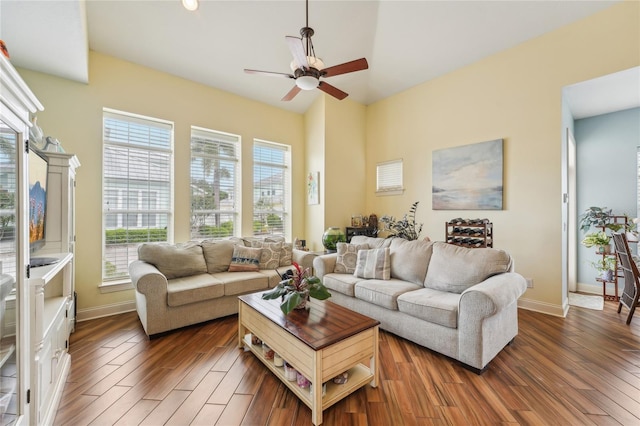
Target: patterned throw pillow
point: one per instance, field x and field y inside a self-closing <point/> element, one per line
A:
<point x="373" y="264"/>
<point x="245" y="259"/>
<point x="270" y="255"/>
<point x="347" y="256"/>
<point x="286" y="255"/>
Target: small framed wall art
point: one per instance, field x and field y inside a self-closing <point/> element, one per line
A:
<point x="313" y="194"/>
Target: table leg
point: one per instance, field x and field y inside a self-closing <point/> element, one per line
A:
<point x="373" y="364"/>
<point x="241" y="328"/>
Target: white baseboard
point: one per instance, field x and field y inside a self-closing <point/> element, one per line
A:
<point x="105" y="310"/>
<point x="545" y="308"/>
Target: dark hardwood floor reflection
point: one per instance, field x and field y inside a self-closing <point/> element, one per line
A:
<point x="579" y="370"/>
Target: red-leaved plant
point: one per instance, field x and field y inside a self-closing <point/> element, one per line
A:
<point x="297" y="286"/>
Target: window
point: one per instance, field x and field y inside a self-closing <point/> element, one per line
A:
<point x="389" y="178"/>
<point x="215" y="205"/>
<point x="271" y="188"/>
<point x="136" y="188"/>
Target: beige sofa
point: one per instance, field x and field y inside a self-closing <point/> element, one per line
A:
<point x="184" y="284"/>
<point x="456" y="301"/>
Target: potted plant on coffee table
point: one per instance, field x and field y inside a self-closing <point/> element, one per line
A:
<point x="295" y="289"/>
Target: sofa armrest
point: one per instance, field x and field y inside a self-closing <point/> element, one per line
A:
<point x="146" y="278"/>
<point x="488" y="317"/>
<point x="303" y="258"/>
<point x="324" y="264"/>
<point x="493" y="294"/>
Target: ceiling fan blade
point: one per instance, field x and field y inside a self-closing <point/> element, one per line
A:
<point x="297" y="50"/>
<point x="292" y="93"/>
<point x="269" y="73"/>
<point x="332" y="90"/>
<point x="357" y="65"/>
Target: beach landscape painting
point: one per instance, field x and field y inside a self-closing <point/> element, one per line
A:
<point x="468" y="177"/>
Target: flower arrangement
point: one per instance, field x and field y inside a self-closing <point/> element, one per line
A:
<point x="406" y="228"/>
<point x="296" y="287"/>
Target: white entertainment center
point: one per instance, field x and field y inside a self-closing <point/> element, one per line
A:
<point x="38" y="310"/>
<point x="52" y="291"/>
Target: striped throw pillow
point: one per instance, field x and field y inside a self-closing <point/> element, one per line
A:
<point x="374" y="264"/>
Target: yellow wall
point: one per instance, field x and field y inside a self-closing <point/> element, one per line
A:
<point x="515" y="95"/>
<point x="73" y="114"/>
<point x="335" y="132"/>
<point x="314" y="122"/>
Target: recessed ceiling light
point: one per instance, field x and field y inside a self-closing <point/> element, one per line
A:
<point x="190" y="5"/>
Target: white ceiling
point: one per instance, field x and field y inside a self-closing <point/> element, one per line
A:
<point x="405" y="42"/>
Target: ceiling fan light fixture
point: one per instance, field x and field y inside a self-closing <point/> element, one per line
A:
<point x="190" y="5"/>
<point x="307" y="82"/>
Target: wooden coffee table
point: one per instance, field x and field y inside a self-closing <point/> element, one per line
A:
<point x="321" y="343"/>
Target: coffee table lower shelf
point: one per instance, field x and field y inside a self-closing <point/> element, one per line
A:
<point x="347" y="342"/>
<point x="359" y="375"/>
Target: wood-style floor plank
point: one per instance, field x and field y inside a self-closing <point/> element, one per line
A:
<point x="583" y="369"/>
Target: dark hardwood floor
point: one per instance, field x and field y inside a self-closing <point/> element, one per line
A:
<point x="579" y="370"/>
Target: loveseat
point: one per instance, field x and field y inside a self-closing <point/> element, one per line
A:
<point x="177" y="285"/>
<point x="457" y="301"/>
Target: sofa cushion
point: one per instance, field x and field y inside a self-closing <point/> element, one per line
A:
<point x="245" y="259"/>
<point x="409" y="259"/>
<point x="454" y="268"/>
<point x="373" y="264"/>
<point x="217" y="254"/>
<point x="242" y="282"/>
<point x="269" y="255"/>
<point x="372" y="242"/>
<point x="342" y="283"/>
<point x="383" y="292"/>
<point x="185" y="290"/>
<point x="174" y="260"/>
<point x="438" y="307"/>
<point x="347" y="257"/>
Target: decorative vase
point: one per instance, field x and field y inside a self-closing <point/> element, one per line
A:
<point x="331" y="237"/>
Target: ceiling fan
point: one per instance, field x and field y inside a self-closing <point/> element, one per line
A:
<point x="308" y="69"/>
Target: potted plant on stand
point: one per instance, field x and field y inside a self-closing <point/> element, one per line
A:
<point x="597" y="239"/>
<point x="606" y="267"/>
<point x="594" y="216"/>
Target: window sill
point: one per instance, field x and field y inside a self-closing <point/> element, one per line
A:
<point x="385" y="193"/>
<point x="113" y="286"/>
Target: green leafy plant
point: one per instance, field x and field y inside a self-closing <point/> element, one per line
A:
<point x="296" y="287"/>
<point x="596" y="239"/>
<point x="594" y="216"/>
<point x="406" y="228"/>
<point x="607" y="263"/>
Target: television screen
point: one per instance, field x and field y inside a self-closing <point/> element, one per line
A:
<point x="37" y="199"/>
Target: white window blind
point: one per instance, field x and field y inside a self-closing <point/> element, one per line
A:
<point x="215" y="205"/>
<point x="136" y="188"/>
<point x="389" y="177"/>
<point x="271" y="188"/>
